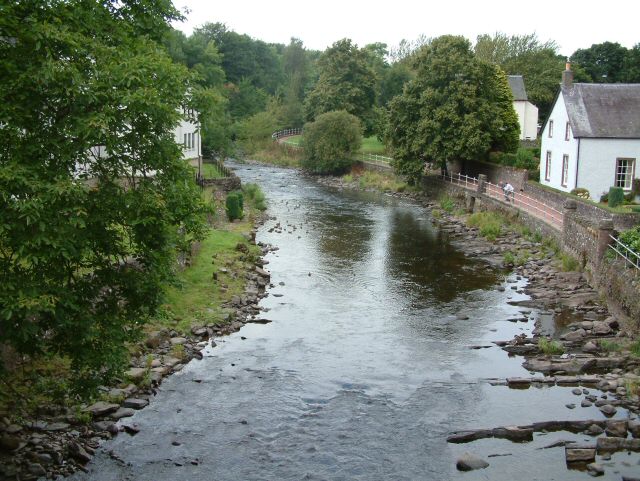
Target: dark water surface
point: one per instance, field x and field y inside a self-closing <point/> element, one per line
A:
<point x="365" y="369"/>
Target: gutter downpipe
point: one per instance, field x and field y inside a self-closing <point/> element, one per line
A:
<point x="577" y="163"/>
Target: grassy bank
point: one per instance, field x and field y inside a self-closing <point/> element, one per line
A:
<point x="372" y="180"/>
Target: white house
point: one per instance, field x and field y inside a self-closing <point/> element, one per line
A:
<point x="591" y="139"/>
<point x="187" y="134"/>
<point x="527" y="112"/>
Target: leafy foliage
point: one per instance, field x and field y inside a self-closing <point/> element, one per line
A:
<point x="256" y="195"/>
<point x="234" y="205"/>
<point x="631" y="238"/>
<point x="616" y="196"/>
<point x="330" y="142"/>
<point x="609" y="62"/>
<point x="87" y="237"/>
<point x="346" y="82"/>
<point x="457" y="108"/>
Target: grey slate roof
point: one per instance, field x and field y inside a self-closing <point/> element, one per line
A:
<point x="516" y="82"/>
<point x="603" y="110"/>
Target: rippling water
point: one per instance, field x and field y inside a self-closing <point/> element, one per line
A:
<point x="365" y="368"/>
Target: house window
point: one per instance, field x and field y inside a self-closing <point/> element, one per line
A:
<point x="567" y="131"/>
<point x="185" y="141"/>
<point x="565" y="169"/>
<point x="550" y="128"/>
<point x="547" y="167"/>
<point x="625" y="169"/>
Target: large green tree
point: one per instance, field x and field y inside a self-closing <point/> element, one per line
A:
<point x="608" y="62"/>
<point x="95" y="198"/>
<point x="457" y="108"/>
<point x="346" y="82"/>
<point x="538" y="62"/>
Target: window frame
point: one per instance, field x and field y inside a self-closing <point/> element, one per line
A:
<point x="629" y="175"/>
<point x="564" y="179"/>
<point x="550" y="129"/>
<point x="547" y="167"/>
<point x="567" y="132"/>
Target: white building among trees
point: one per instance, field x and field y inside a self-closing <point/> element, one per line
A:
<point x="527" y="112"/>
<point x="591" y="139"/>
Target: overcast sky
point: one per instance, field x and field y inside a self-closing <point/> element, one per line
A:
<point x="572" y="24"/>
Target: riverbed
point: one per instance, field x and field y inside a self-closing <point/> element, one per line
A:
<point x="379" y="346"/>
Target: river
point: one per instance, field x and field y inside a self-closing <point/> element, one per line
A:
<point x="367" y="366"/>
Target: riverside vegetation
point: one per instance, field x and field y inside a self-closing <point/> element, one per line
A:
<point x="47" y="429"/>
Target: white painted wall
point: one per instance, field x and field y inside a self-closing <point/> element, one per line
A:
<point x="527" y="118"/>
<point x="186" y="127"/>
<point x="558" y="146"/>
<point x="598" y="157"/>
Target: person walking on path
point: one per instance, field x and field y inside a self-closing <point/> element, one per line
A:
<point x="508" y="192"/>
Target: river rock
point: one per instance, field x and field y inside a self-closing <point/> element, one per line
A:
<point x="36" y="469"/>
<point x="176" y="341"/>
<point x="610" y="443"/>
<point x="514" y="433"/>
<point x="79" y="453"/>
<point x="608" y="410"/>
<point x="136" y="373"/>
<point x="154" y="339"/>
<point x="601" y="329"/>
<point x="590" y="347"/>
<point x="102" y="408"/>
<point x="595" y="469"/>
<point x="135" y="403"/>
<point x="585" y="403"/>
<point x="595" y="430"/>
<point x="9" y="442"/>
<point x="573" y="455"/>
<point x="469" y="462"/>
<point x="634" y="428"/>
<point x="123" y="412"/>
<point x="616" y="428"/>
<point x="574" y="336"/>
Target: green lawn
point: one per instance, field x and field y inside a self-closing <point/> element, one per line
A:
<point x="293" y="140"/>
<point x="211" y="171"/>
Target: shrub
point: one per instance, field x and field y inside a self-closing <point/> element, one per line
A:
<point x="609" y="346"/>
<point x="550" y="347"/>
<point x="580" y="192"/>
<point x="631" y="238"/>
<point x="508" y="159"/>
<point x="509" y="258"/>
<point x="616" y="196"/>
<point x="256" y="195"/>
<point x="569" y="263"/>
<point x="489" y="224"/>
<point x="525" y="159"/>
<point x="447" y="204"/>
<point x="234" y="205"/>
<point x="331" y="142"/>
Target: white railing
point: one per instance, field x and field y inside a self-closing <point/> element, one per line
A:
<point x="462" y="180"/>
<point x="630" y="256"/>
<point x="286" y="133"/>
<point x="531" y="205"/>
<point x="375" y="158"/>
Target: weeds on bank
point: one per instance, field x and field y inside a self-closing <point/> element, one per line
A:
<point x="519" y="259"/>
<point x="635" y="349"/>
<point x="489" y="224"/>
<point x="276" y="154"/>
<point x="370" y="180"/>
<point x="256" y="196"/>
<point x="447" y="204"/>
<point x="568" y="262"/>
<point x="609" y="346"/>
<point x="550" y="347"/>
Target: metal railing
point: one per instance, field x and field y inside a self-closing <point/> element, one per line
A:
<point x="630" y="256"/>
<point x="462" y="180"/>
<point x="374" y="158"/>
<point x="277" y="135"/>
<point x="531" y="205"/>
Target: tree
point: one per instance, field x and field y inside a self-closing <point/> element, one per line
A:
<point x="457" y="108"/>
<point x="346" y="82"/>
<point x="632" y="65"/>
<point x="88" y="239"/>
<point x="538" y="62"/>
<point x="330" y="142"/>
<point x="603" y="62"/>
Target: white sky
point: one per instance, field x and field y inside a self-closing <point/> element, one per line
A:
<point x="572" y="24"/>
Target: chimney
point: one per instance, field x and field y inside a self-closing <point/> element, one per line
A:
<point x="567" y="76"/>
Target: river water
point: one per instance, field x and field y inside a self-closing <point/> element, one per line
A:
<point x="367" y="366"/>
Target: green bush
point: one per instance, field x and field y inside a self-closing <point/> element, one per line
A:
<point x="447" y="204"/>
<point x="525" y="159"/>
<point x="488" y="224"/>
<point x="508" y="159"/>
<point x="256" y="195"/>
<point x="631" y="238"/>
<point x="234" y="205"/>
<point x="331" y="142"/>
<point x="550" y="347"/>
<point x="616" y="196"/>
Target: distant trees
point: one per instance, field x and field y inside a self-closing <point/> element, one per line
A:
<point x="331" y="141"/>
<point x="609" y="62"/>
<point x="457" y="107"/>
<point x="346" y="82"/>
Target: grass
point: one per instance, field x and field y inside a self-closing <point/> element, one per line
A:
<point x="274" y="153"/>
<point x="635" y="348"/>
<point x="447" y="204"/>
<point x="609" y="346"/>
<point x="196" y="299"/>
<point x="372" y="180"/>
<point x="568" y="262"/>
<point x="255" y="195"/>
<point x="488" y="223"/>
<point x="293" y="140"/>
<point x="211" y="171"/>
<point x="372" y="145"/>
<point x="550" y="347"/>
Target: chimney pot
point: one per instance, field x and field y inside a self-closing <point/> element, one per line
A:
<point x="567" y="76"/>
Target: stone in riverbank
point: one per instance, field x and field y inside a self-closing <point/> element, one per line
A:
<point x="470" y="462"/>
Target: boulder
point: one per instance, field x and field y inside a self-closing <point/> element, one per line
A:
<point x="135" y="403"/>
<point x="616" y="428"/>
<point x="574" y="336"/>
<point x="136" y="373"/>
<point x="175" y="341"/>
<point x="605" y="443"/>
<point x="590" y="347"/>
<point x="601" y="329"/>
<point x="9" y="443"/>
<point x="123" y="412"/>
<point x="574" y="455"/>
<point x="78" y="453"/>
<point x="595" y="469"/>
<point x="634" y="428"/>
<point x="469" y="462"/>
<point x="608" y="410"/>
<point x="514" y="433"/>
<point x="102" y="408"/>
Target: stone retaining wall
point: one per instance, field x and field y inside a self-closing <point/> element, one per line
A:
<point x="226" y="184"/>
<point x="495" y="173"/>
